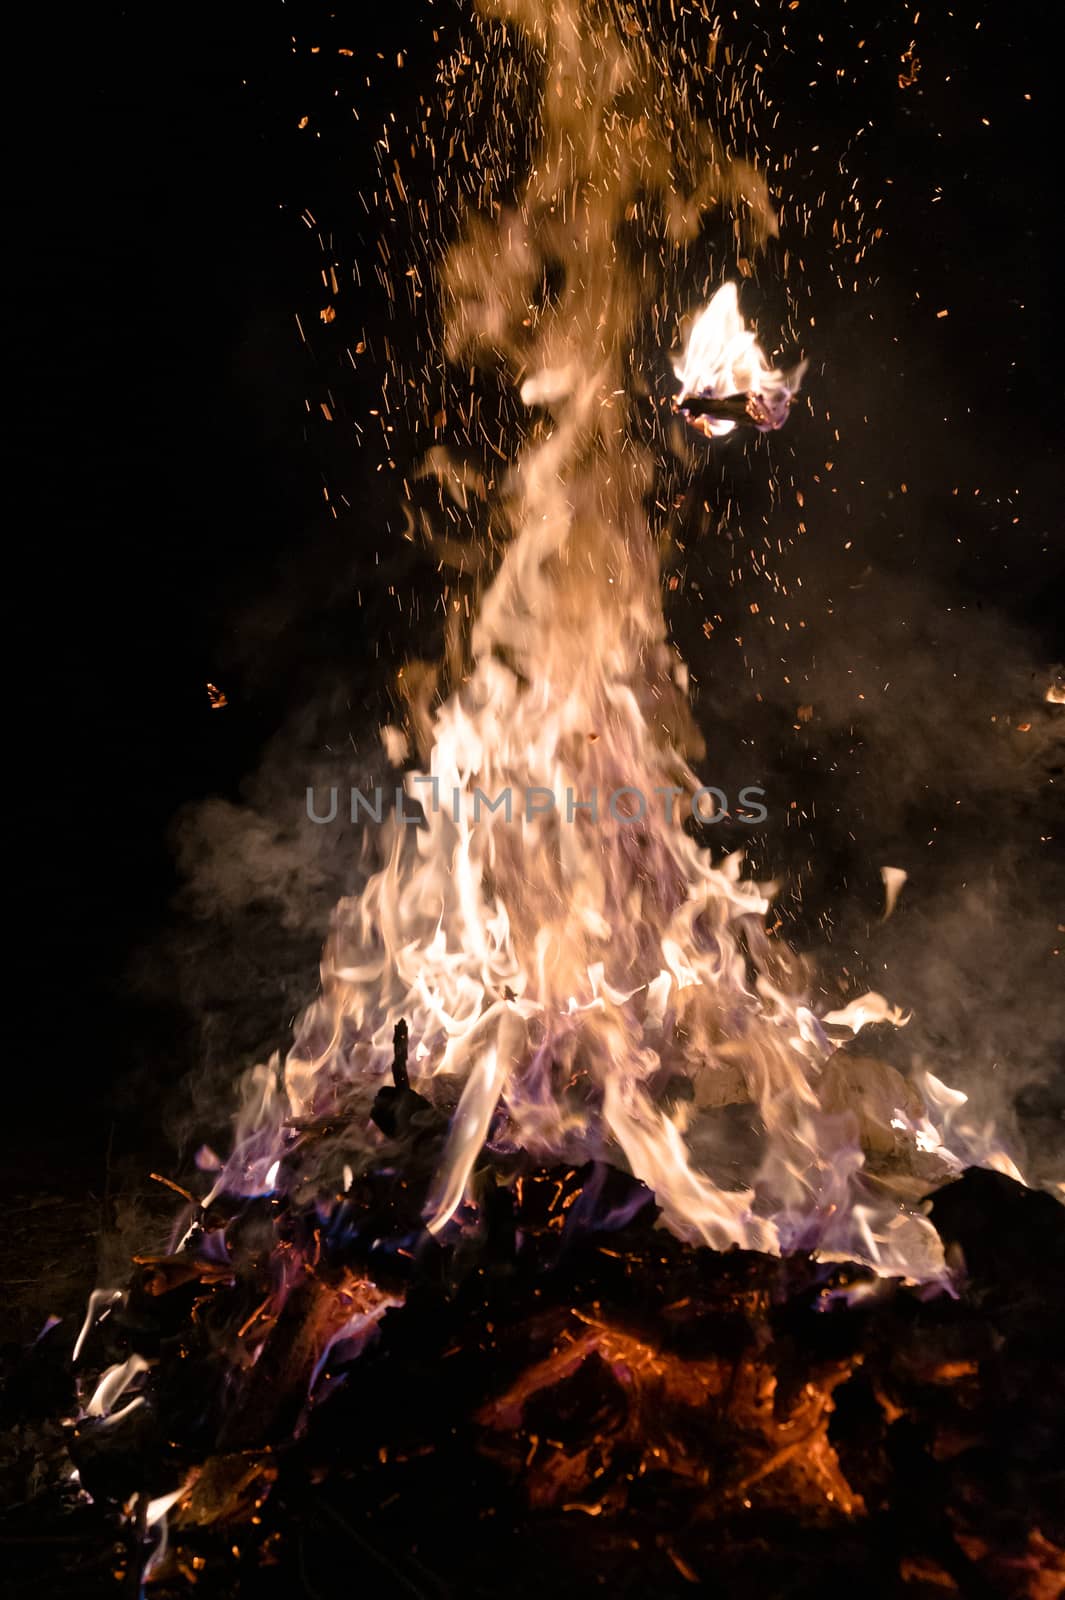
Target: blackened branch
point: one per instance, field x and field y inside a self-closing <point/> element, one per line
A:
<point x="400" y="1039"/>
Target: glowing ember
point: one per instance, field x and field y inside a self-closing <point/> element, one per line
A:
<point x="654" y="1409"/>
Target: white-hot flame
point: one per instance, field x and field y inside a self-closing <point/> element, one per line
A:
<point x="113" y="1385"/>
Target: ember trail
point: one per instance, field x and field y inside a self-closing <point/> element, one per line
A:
<point x="563" y="1151"/>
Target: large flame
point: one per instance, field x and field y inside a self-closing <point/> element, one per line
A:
<point x="567" y="959"/>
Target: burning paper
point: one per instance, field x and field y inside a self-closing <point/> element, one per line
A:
<point x="725" y="378"/>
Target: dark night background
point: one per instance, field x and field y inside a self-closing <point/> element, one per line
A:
<point x="174" y="528"/>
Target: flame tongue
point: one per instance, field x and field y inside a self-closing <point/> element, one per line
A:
<point x="562" y="953"/>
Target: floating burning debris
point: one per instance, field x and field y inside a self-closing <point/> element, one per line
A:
<point x="726" y="381"/>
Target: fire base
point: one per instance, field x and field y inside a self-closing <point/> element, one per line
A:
<point x="571" y="1399"/>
